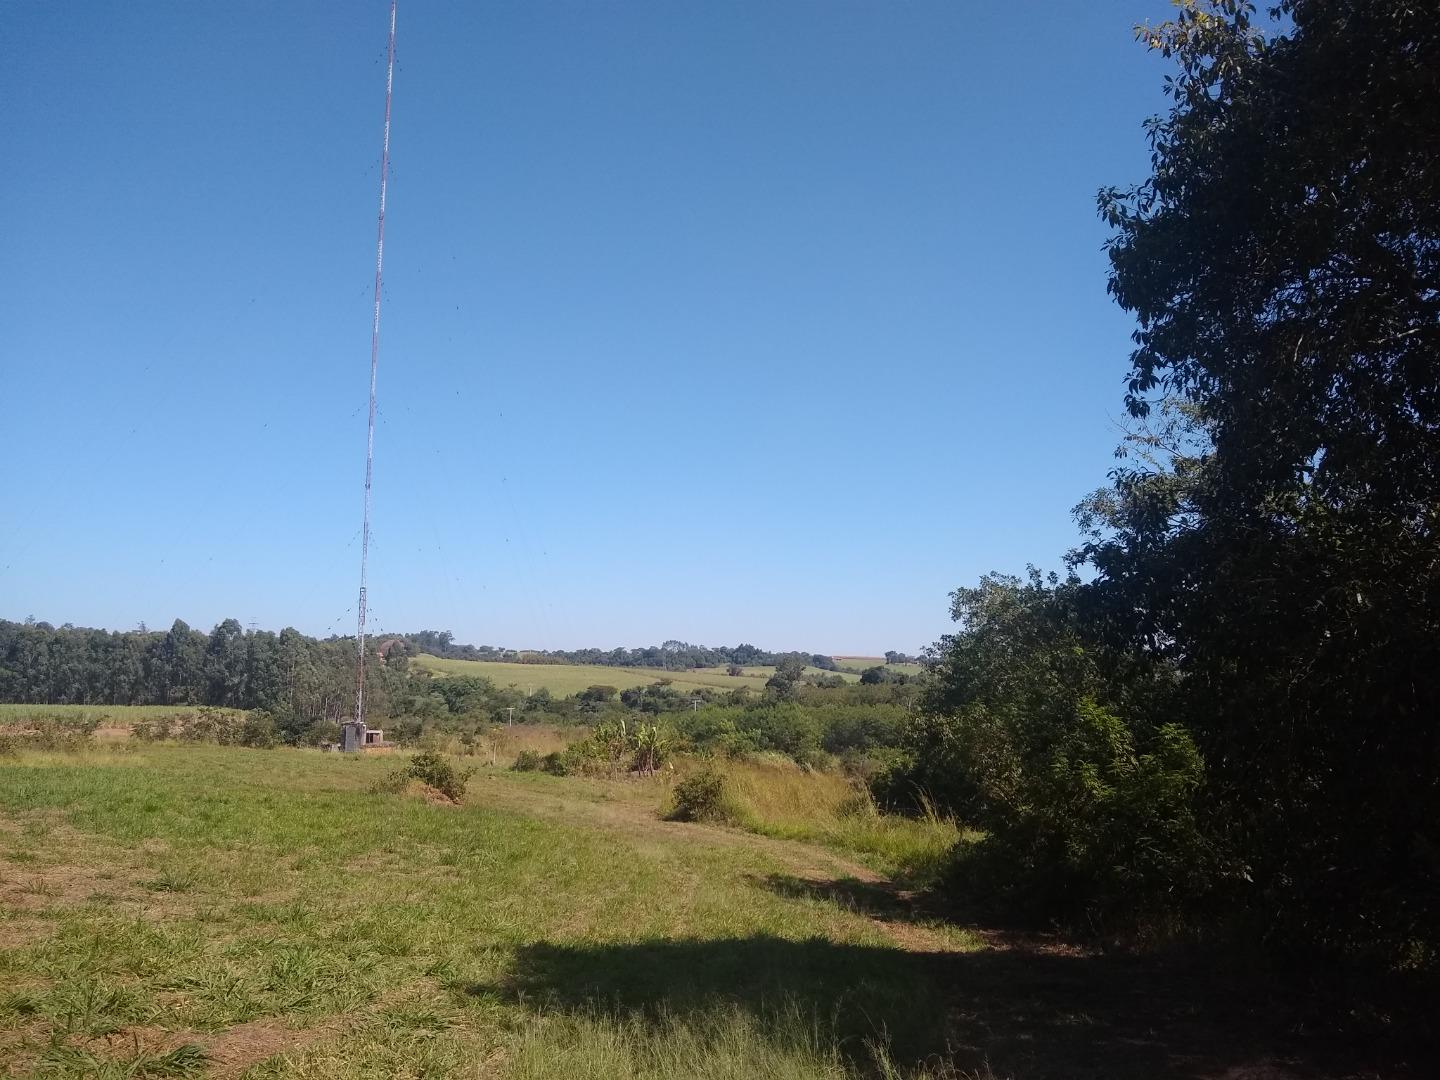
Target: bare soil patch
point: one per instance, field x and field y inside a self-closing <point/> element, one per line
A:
<point x="418" y="789"/>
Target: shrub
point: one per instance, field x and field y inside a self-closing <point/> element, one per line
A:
<point x="393" y="782"/>
<point x="1102" y="823"/>
<point x="51" y="733"/>
<point x="430" y="768"/>
<point x="527" y="761"/>
<point x="157" y="729"/>
<point x="651" y="746"/>
<point x="258" y="730"/>
<point x="557" y="764"/>
<point x="703" y="796"/>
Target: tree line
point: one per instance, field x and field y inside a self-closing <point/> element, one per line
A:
<point x="307" y="685"/>
<point x="671" y="655"/>
<point x="288" y="673"/>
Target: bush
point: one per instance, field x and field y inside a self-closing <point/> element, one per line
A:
<point x="258" y="730"/>
<point x="1101" y="825"/>
<point x="527" y="761"/>
<point x="703" y="796"/>
<point x="557" y="764"/>
<point x="393" y="782"/>
<point x="157" y="729"/>
<point x="430" y="768"/>
<point x="52" y="734"/>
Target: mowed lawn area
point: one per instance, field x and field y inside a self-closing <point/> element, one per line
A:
<point x="203" y="911"/>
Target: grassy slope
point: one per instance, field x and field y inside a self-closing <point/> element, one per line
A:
<point x="777" y="799"/>
<point x="174" y="911"/>
<point x="261" y="902"/>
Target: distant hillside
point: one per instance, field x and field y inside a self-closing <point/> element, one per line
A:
<point x="858" y="664"/>
<point x="563" y="679"/>
<point x="669" y="656"/>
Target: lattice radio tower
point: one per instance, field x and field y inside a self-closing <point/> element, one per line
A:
<point x="358" y="734"/>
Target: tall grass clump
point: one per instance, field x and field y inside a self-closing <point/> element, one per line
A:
<point x="829" y="808"/>
<point x="771" y="795"/>
<point x="723" y="1042"/>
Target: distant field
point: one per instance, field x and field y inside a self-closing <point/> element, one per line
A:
<point x="763" y="672"/>
<point x="565" y="679"/>
<point x="108" y="715"/>
<point x="860" y="663"/>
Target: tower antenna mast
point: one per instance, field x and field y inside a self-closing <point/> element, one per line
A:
<point x="359" y="721"/>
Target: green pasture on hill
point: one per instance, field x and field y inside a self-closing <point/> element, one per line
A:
<point x="118" y="715"/>
<point x="860" y="663"/>
<point x="563" y="680"/>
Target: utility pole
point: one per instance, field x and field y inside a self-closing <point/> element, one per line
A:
<point x="511" y="710"/>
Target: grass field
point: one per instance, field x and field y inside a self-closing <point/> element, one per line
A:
<point x="775" y="797"/>
<point x="860" y="663"/>
<point x="197" y="910"/>
<point x="106" y="714"/>
<point x="221" y="912"/>
<point x="562" y="680"/>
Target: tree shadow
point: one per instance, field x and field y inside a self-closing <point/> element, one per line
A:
<point x="876" y="899"/>
<point x="1023" y="1014"/>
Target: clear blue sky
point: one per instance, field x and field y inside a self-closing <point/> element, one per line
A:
<point x="770" y="322"/>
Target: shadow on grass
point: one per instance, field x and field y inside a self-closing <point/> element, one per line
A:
<point x="1024" y="1014"/>
<point x="875" y="899"/>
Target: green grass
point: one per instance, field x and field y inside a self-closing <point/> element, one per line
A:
<point x="860" y="663"/>
<point x="108" y="715"/>
<point x="166" y="907"/>
<point x="563" y="680"/>
<point x="777" y="798"/>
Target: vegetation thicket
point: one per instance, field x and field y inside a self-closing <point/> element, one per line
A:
<point x="1231" y="713"/>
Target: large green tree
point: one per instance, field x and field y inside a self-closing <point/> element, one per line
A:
<point x="1278" y="543"/>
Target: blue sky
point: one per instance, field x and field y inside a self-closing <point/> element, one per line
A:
<point x="770" y="322"/>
